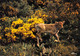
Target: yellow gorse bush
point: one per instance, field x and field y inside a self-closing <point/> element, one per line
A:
<point x="18" y="22"/>
<point x="27" y="26"/>
<point x="25" y="30"/>
<point x="34" y="21"/>
<point x="13" y="31"/>
<point x="41" y="14"/>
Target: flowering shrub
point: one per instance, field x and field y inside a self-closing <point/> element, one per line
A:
<point x="41" y="14"/>
<point x="18" y="22"/>
<point x="20" y="29"/>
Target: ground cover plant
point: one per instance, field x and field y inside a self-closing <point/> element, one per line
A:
<point x="17" y="27"/>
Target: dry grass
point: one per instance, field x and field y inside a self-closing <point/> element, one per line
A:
<point x="28" y="49"/>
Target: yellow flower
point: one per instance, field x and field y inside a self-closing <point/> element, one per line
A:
<point x="68" y="8"/>
<point x="18" y="22"/>
<point x="6" y="29"/>
<point x="8" y="34"/>
<point x="14" y="38"/>
<point x="24" y="34"/>
<point x="27" y="26"/>
<point x="27" y="34"/>
<point x="14" y="31"/>
<point x="33" y="29"/>
<point x="21" y="30"/>
<point x="32" y="36"/>
<point x="35" y="20"/>
<point x="45" y="15"/>
<point x="0" y="37"/>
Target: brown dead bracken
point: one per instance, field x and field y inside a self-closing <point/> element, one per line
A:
<point x="50" y="28"/>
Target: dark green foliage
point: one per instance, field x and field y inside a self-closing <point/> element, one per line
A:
<point x="16" y="8"/>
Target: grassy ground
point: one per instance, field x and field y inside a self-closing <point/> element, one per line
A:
<point x="63" y="48"/>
